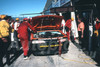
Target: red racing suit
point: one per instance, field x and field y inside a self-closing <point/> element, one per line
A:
<point x="97" y="26"/>
<point x="23" y="35"/>
<point x="68" y="28"/>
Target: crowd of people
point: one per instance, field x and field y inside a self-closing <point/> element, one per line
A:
<point x="19" y="30"/>
<point x="83" y="31"/>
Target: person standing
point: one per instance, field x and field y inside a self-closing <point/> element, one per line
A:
<point x="12" y="23"/>
<point x="23" y="35"/>
<point x="16" y="25"/>
<point x="12" y="33"/>
<point x="81" y="31"/>
<point x="4" y="38"/>
<point x="63" y="26"/>
<point x="68" y="28"/>
<point x="97" y="27"/>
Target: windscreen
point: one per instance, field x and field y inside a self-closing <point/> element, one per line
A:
<point x="48" y="34"/>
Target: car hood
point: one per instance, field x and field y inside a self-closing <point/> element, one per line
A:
<point x="46" y="22"/>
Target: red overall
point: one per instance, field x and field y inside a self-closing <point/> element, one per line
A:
<point x="23" y="35"/>
<point x="68" y="24"/>
<point x="97" y="26"/>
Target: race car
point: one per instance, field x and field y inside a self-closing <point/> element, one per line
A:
<point x="49" y="36"/>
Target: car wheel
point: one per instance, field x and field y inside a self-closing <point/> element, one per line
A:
<point x="65" y="46"/>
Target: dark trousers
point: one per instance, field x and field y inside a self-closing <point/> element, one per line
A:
<point x="99" y="38"/>
<point x="15" y="35"/>
<point x="16" y="40"/>
<point x="3" y="51"/>
<point x="80" y="39"/>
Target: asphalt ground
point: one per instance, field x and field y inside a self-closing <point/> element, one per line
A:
<point x="73" y="58"/>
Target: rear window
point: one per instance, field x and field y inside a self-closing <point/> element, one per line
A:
<point x="48" y="34"/>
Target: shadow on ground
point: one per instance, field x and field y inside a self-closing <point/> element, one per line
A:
<point x="46" y="53"/>
<point x="95" y="55"/>
<point x="12" y="56"/>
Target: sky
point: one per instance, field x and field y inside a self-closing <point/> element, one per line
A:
<point x="16" y="7"/>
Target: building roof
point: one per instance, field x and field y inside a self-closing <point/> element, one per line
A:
<point x="48" y="3"/>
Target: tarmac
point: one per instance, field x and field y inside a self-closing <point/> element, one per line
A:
<point x="73" y="58"/>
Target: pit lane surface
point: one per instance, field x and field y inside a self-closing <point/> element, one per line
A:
<point x="74" y="58"/>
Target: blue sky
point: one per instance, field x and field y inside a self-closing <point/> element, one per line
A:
<point x="16" y="7"/>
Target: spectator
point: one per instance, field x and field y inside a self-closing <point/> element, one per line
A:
<point x="4" y="38"/>
<point x="16" y="24"/>
<point x="81" y="30"/>
<point x="97" y="26"/>
<point x="23" y="35"/>
<point x="63" y="26"/>
<point x="12" y="34"/>
<point x="68" y="28"/>
<point x="12" y="23"/>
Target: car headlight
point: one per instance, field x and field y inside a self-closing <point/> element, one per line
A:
<point x="62" y="40"/>
<point x="38" y="42"/>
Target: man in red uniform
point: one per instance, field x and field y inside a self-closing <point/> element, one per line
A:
<point x="97" y="27"/>
<point x="68" y="28"/>
<point x="23" y="35"/>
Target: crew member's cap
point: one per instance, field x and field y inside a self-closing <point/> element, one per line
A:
<point x="25" y="19"/>
<point x="3" y="16"/>
<point x="17" y="19"/>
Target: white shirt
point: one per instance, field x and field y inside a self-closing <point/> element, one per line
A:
<point x="63" y="25"/>
<point x="16" y="25"/>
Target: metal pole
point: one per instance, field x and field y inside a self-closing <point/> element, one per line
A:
<point x="90" y="30"/>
